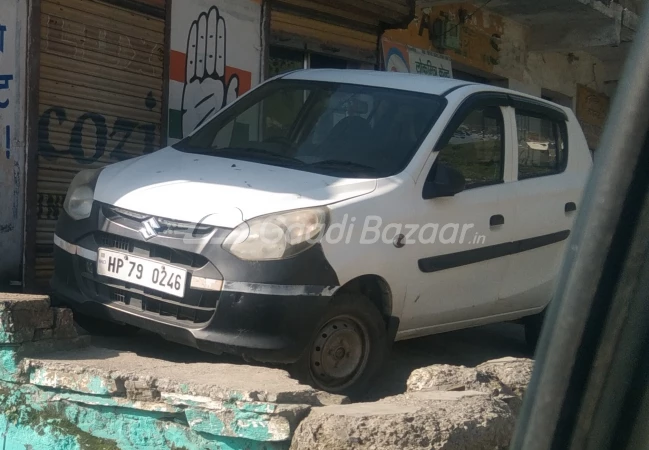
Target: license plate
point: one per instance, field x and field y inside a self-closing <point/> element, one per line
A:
<point x="142" y="272"/>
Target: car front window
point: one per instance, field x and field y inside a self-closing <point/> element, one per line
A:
<point x="329" y="128"/>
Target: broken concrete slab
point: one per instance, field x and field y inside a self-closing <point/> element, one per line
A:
<point x="105" y="398"/>
<point x="505" y="378"/>
<point x="22" y="302"/>
<point x="27" y="326"/>
<point x="515" y="373"/>
<point x="26" y="318"/>
<point x="220" y="400"/>
<point x="19" y="337"/>
<point x="216" y="404"/>
<point x="217" y="381"/>
<point x="429" y="419"/>
<point x="64" y="327"/>
<point x="36" y="418"/>
<point x="12" y="355"/>
<point x="12" y="321"/>
<point x="21" y="316"/>
<point x="235" y="402"/>
<point x="94" y="397"/>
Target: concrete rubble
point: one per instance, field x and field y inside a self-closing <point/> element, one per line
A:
<point x="504" y="378"/>
<point x="445" y="408"/>
<point x="419" y="420"/>
<point x="56" y="391"/>
<point x="224" y="400"/>
<point x="29" y="326"/>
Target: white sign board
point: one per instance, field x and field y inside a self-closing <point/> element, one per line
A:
<point x="404" y="58"/>
<point x="429" y="63"/>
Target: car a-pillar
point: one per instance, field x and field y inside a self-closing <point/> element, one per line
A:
<point x="351" y="340"/>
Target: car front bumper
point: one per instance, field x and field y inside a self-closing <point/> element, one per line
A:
<point x="265" y="311"/>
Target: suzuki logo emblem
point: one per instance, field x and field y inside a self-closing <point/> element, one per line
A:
<point x="150" y="228"/>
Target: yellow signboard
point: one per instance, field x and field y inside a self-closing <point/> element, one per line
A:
<point x="461" y="31"/>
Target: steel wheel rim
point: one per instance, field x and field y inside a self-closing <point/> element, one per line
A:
<point x="339" y="353"/>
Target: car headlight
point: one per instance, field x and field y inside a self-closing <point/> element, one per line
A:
<point x="78" y="201"/>
<point x="277" y="236"/>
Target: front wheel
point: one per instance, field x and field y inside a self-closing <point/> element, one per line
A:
<point x="347" y="349"/>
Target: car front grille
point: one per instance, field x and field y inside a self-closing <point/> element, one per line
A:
<point x="166" y="307"/>
<point x="114" y="241"/>
<point x="195" y="308"/>
<point x="168" y="227"/>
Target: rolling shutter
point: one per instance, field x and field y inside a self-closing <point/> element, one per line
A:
<point x="349" y="29"/>
<point x="100" y="99"/>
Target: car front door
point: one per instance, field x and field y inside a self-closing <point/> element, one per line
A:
<point x="462" y="240"/>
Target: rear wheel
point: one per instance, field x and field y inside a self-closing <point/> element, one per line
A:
<point x="348" y="348"/>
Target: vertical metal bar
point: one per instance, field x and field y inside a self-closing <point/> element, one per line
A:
<point x="585" y="259"/>
<point x="266" y="17"/>
<point x="164" y="128"/>
<point x="614" y="386"/>
<point x="31" y="148"/>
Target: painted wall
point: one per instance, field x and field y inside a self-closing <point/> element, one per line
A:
<point x="475" y="43"/>
<point x="13" y="55"/>
<point x="216" y="51"/>
<point x="498" y="47"/>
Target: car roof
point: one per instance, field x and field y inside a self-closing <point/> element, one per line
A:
<point x="405" y="81"/>
<point x="394" y="80"/>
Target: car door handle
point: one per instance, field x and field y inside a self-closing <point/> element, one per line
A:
<point x="496" y="220"/>
<point x="570" y="207"/>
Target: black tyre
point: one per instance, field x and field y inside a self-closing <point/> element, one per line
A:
<point x="533" y="326"/>
<point x="101" y="327"/>
<point x="347" y="349"/>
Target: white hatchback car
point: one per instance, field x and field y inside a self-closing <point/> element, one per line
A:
<point x="327" y="213"/>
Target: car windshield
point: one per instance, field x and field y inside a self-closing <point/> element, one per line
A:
<point x="329" y="128"/>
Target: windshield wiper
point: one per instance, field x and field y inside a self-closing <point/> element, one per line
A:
<point x="188" y="147"/>
<point x="344" y="165"/>
<point x="247" y="153"/>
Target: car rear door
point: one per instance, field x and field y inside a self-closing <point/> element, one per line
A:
<point x="549" y="172"/>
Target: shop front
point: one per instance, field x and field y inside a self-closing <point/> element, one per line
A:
<point x="457" y="40"/>
<point x="100" y="97"/>
<point x="526" y="48"/>
<point x="330" y="34"/>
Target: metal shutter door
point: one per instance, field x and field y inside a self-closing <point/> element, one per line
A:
<point x="294" y="30"/>
<point x="347" y="28"/>
<point x="100" y="99"/>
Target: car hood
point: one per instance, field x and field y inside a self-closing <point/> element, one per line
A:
<point x="217" y="191"/>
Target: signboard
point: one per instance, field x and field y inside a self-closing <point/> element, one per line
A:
<point x="467" y="33"/>
<point x="404" y="58"/>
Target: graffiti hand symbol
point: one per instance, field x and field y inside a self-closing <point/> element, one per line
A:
<point x="206" y="88"/>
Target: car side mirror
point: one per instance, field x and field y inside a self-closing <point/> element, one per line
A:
<point x="446" y="182"/>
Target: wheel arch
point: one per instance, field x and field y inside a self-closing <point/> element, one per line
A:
<point x="376" y="289"/>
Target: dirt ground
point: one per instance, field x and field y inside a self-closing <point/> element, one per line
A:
<point x="466" y="347"/>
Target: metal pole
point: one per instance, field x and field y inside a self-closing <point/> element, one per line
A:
<point x="543" y="414"/>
